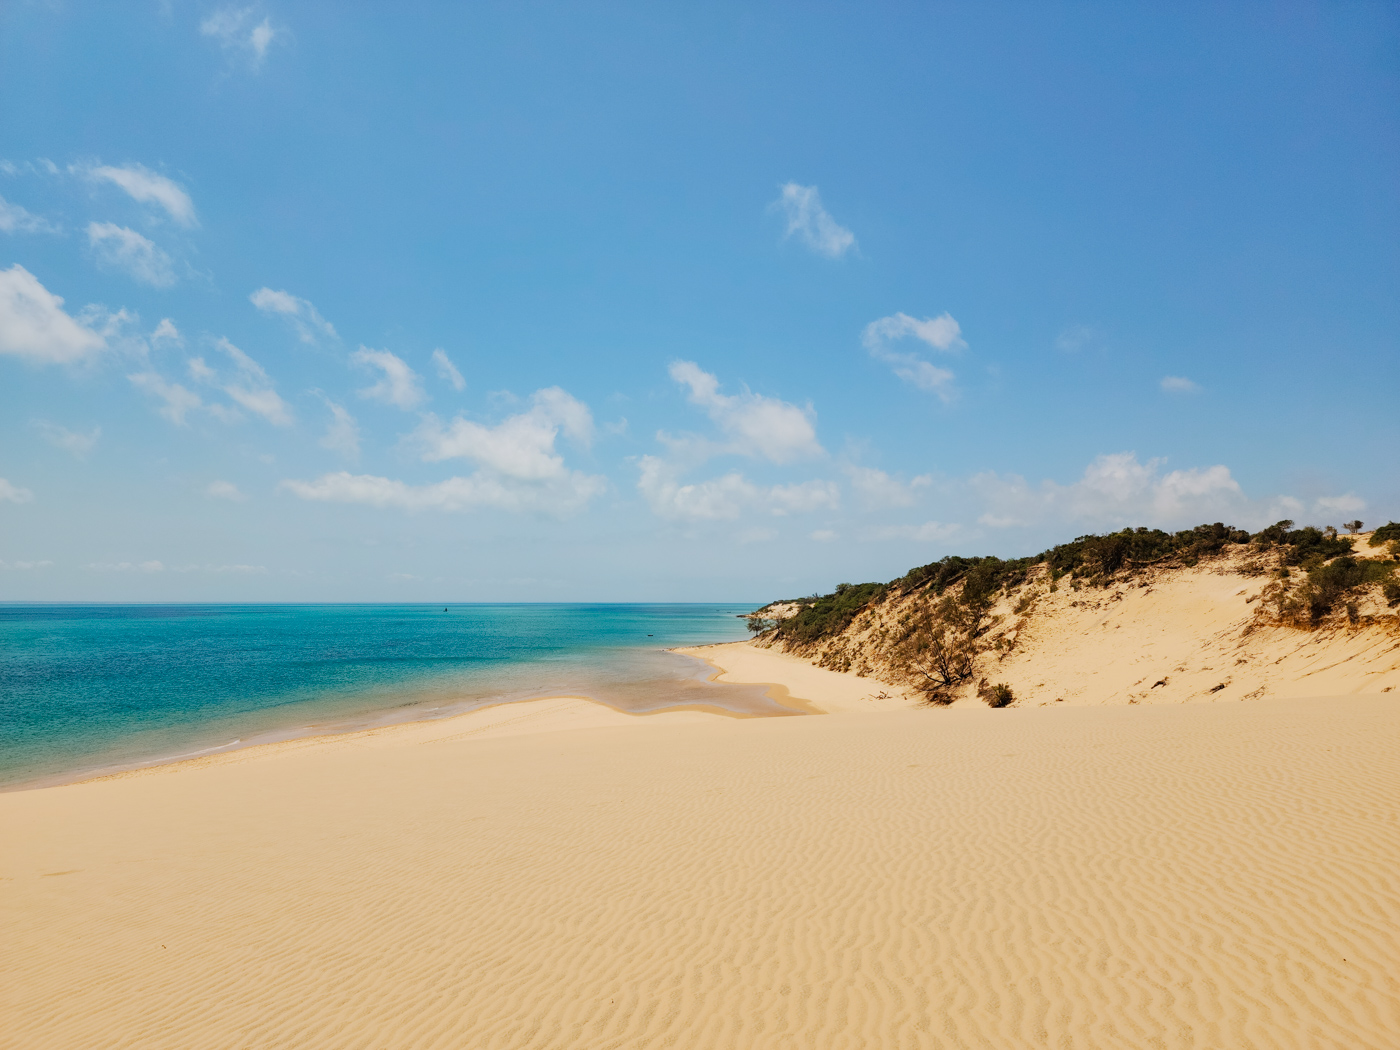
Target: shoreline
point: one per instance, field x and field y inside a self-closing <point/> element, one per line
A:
<point x="407" y="716"/>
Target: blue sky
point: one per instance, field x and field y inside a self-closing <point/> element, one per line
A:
<point x="310" y="301"/>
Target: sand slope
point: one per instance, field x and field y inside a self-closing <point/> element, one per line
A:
<point x="1168" y="636"/>
<point x="1180" y="876"/>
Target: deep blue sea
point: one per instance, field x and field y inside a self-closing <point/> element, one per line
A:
<point x="89" y="687"/>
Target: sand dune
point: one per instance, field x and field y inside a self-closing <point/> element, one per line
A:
<point x="1184" y="876"/>
<point x="1168" y="636"/>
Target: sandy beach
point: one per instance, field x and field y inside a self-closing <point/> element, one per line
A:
<point x="557" y="874"/>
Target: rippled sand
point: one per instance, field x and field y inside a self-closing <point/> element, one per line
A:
<point x="557" y="875"/>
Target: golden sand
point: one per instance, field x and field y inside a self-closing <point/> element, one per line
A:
<point x="556" y="874"/>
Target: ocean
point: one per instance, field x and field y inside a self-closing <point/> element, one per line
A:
<point x="87" y="688"/>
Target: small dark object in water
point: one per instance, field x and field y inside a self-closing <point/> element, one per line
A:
<point x="444" y="608"/>
<point x="648" y="636"/>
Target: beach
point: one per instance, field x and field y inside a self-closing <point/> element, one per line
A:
<point x="556" y="873"/>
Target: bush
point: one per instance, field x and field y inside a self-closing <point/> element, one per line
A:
<point x="1354" y="526"/>
<point x="1328" y="584"/>
<point x="1391" y="591"/>
<point x="1309" y="543"/>
<point x="829" y="614"/>
<point x="1384" y="534"/>
<point x="999" y="695"/>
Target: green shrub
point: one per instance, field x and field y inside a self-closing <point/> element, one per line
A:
<point x="1391" y="591"/>
<point x="1384" y="534"/>
<point x="829" y="614"/>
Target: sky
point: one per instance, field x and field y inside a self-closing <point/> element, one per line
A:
<point x="708" y="302"/>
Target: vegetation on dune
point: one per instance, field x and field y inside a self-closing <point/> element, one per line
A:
<point x="828" y="614"/>
<point x="1388" y="533"/>
<point x="936" y="641"/>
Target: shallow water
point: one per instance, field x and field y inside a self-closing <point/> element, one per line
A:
<point x="86" y="687"/>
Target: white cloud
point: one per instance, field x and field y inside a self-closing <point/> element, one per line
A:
<point x="166" y="332"/>
<point x="148" y="187"/>
<point x="878" y="490"/>
<point x="1347" y="504"/>
<point x="236" y="29"/>
<point x="1117" y="490"/>
<point x="447" y="370"/>
<point x="928" y="532"/>
<point x="400" y="385"/>
<point x="521" y="446"/>
<point x="124" y="249"/>
<point x="942" y="333"/>
<point x="822" y="535"/>
<point x="12" y="493"/>
<point x="78" y="444"/>
<point x="252" y="388"/>
<point x="342" y="433"/>
<point x="755" y="425"/>
<point x="1075" y="338"/>
<point x="14" y="219"/>
<point x="33" y="324"/>
<point x="178" y="401"/>
<point x="811" y="223"/>
<point x="1178" y="385"/>
<point x="519" y="468"/>
<point x="128" y="566"/>
<point x="224" y="490"/>
<point x="729" y="496"/>
<point x="757" y="536"/>
<point x="558" y="496"/>
<point x="25" y="565"/>
<point x="299" y="313"/>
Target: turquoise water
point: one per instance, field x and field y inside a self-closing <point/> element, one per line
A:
<point x="86" y="687"/>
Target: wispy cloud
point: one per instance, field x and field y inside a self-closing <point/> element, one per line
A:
<point x="941" y="333"/>
<point x="928" y="532"/>
<point x="166" y="332"/>
<point x="252" y="388"/>
<point x="342" y="432"/>
<point x="299" y="313"/>
<point x="877" y="490"/>
<point x="811" y="223"/>
<point x="1178" y="385"/>
<point x="240" y="31"/>
<point x="14" y="219"/>
<point x="74" y="442"/>
<point x="729" y="496"/>
<point x="447" y="370"/>
<point x="522" y="446"/>
<point x="146" y="186"/>
<point x="398" y="385"/>
<point x="519" y="466"/>
<point x="120" y="248"/>
<point x="34" y="326"/>
<point x="176" y="401"/>
<point x="559" y="497"/>
<point x="751" y="424"/>
<point x="1349" y="503"/>
<point x="1116" y="490"/>
<point x="1075" y="338"/>
<point x="12" y="493"/>
<point x="224" y="490"/>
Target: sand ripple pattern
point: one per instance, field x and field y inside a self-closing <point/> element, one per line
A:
<point x="1177" y="877"/>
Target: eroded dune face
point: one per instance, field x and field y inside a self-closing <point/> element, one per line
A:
<point x="1209" y="632"/>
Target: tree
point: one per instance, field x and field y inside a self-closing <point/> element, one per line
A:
<point x="1353" y="527"/>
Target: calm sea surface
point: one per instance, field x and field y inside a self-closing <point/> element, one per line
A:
<point x="86" y="687"/>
